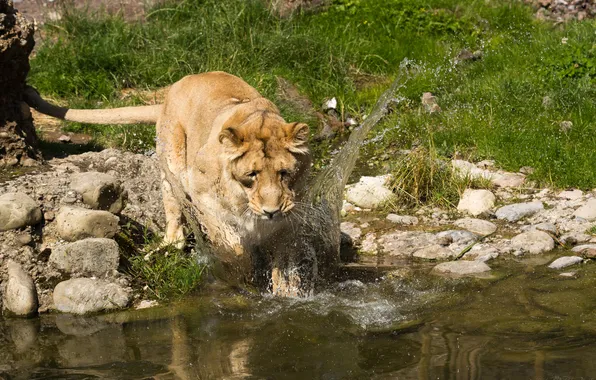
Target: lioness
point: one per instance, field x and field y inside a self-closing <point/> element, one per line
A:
<point x="235" y="157"/>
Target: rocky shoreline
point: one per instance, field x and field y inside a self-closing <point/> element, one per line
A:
<point x="58" y="253"/>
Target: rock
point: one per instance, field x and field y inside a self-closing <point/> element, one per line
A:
<point x="586" y="250"/>
<point x="434" y="252"/>
<point x="369" y="192"/>
<point x="100" y="191"/>
<point x="87" y="295"/>
<point x="330" y="104"/>
<point x="527" y="170"/>
<point x="546" y="227"/>
<point x="565" y="261"/>
<point x="575" y="238"/>
<point x="587" y="211"/>
<point x="517" y="211"/>
<point x="482" y="252"/>
<point x="79" y="223"/>
<point x="533" y="242"/>
<point x="468" y="169"/>
<point x="477" y="226"/>
<point x="18" y="210"/>
<point x="20" y="294"/>
<point x="505" y="179"/>
<point x="351" y="230"/>
<point x="369" y="244"/>
<point x="93" y="256"/>
<point x="565" y="125"/>
<point x="461" y="268"/>
<point x="24" y="239"/>
<point x="456" y="237"/>
<point x="570" y="194"/>
<point x="476" y="202"/>
<point x="406" y="220"/>
<point x="146" y="304"/>
<point x="405" y="243"/>
<point x="64" y="139"/>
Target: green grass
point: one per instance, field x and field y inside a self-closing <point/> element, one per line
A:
<point x="507" y="106"/>
<point x="163" y="273"/>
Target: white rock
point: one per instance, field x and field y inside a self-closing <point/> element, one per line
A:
<point x="546" y="227"/>
<point x="403" y="219"/>
<point x="482" y="252"/>
<point x="506" y="179"/>
<point x="87" y="295"/>
<point x="20" y="294"/>
<point x="587" y="211"/>
<point x="477" y="226"/>
<point x="533" y="242"/>
<point x="405" y="243"/>
<point x="78" y="223"/>
<point x="18" y="210"/>
<point x="459" y="237"/>
<point x="461" y="267"/>
<point x="468" y="169"/>
<point x="330" y="104"/>
<point x="565" y="261"/>
<point x="146" y="304"/>
<point x="369" y="192"/>
<point x="93" y="256"/>
<point x="476" y="202"/>
<point x="517" y="211"/>
<point x="583" y="248"/>
<point x="570" y="194"/>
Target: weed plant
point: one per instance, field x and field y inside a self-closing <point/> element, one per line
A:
<point x="513" y="105"/>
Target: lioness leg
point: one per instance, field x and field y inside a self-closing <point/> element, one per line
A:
<point x="171" y="149"/>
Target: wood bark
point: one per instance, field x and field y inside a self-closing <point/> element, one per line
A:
<point x="18" y="141"/>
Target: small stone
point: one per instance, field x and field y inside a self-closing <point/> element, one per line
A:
<point x="24" y="239"/>
<point x="87" y="295"/>
<point x="570" y="194"/>
<point x="369" y="192"/>
<point x="100" y="191"/>
<point x="586" y="250"/>
<point x="568" y="274"/>
<point x="476" y="202"/>
<point x="587" y="211"/>
<point x="78" y="223"/>
<point x="461" y="267"/>
<point x="20" y="294"/>
<point x="146" y="304"/>
<point x="505" y="179"/>
<point x="564" y="262"/>
<point x="330" y="104"/>
<point x="477" y="226"/>
<point x="517" y="211"/>
<point x="526" y="170"/>
<point x="369" y="244"/>
<point x="18" y="210"/>
<point x="534" y="242"/>
<point x="565" y="126"/>
<point x="111" y="161"/>
<point x="434" y="252"/>
<point x="351" y="230"/>
<point x="93" y="256"/>
<point x="64" y="139"/>
<point x="49" y="215"/>
<point x="406" y="220"/>
<point x="546" y="227"/>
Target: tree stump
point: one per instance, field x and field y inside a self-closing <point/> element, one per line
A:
<point x="18" y="141"/>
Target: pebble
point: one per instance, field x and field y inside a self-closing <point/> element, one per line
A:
<point x="564" y="262"/>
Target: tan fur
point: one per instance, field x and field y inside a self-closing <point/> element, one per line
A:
<point x="236" y="158"/>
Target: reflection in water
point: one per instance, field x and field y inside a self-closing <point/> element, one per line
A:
<point x="517" y="327"/>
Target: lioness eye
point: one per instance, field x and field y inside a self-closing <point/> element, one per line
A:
<point x="283" y="173"/>
<point x="252" y="174"/>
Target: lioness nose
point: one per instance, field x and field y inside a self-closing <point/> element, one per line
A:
<point x="270" y="213"/>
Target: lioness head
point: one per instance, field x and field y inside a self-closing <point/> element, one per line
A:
<point x="267" y="158"/>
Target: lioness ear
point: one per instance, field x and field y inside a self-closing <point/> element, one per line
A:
<point x="232" y="140"/>
<point x="298" y="138"/>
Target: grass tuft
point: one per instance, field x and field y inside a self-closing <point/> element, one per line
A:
<point x="423" y="177"/>
<point x="165" y="273"/>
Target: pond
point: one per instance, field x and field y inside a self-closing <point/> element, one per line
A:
<point x="525" y="321"/>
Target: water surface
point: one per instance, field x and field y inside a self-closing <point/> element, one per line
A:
<point x="525" y="322"/>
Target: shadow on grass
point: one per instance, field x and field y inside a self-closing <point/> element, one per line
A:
<point x="50" y="149"/>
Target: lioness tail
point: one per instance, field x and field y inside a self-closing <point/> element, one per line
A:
<point x="124" y="115"/>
